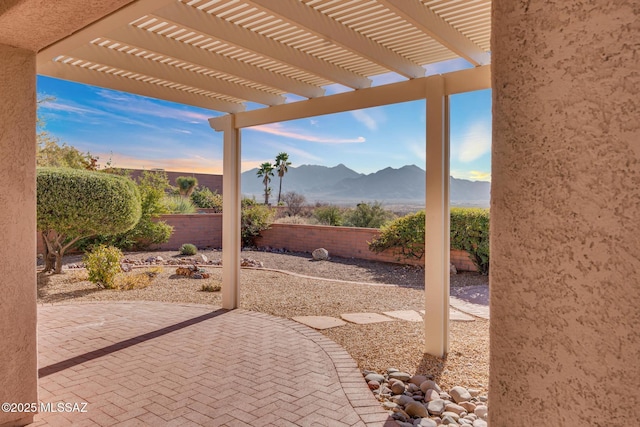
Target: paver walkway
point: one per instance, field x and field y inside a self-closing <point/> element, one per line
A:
<point x="160" y="364"/>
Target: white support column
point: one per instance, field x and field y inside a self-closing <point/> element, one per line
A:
<point x="231" y="198"/>
<point x="436" y="272"/>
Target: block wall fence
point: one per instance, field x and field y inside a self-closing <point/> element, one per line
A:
<point x="205" y="230"/>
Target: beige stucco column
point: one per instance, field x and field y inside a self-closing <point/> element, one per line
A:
<point x="565" y="213"/>
<point x="18" y="353"/>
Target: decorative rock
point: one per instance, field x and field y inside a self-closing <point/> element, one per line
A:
<point x="373" y="385"/>
<point x="474" y="392"/>
<point x="425" y="422"/>
<point x="403" y="423"/>
<point x="374" y="377"/>
<point x="429" y="385"/>
<point x="389" y="405"/>
<point x="453" y="415"/>
<point x="436" y="407"/>
<point x="418" y="379"/>
<point x="468" y="406"/>
<point x="460" y="394"/>
<point x="397" y="387"/>
<point x="320" y="254"/>
<point x="481" y="411"/>
<point x="202" y="258"/>
<point x="431" y="395"/>
<point x="159" y="259"/>
<point x="457" y="409"/>
<point x="452" y="269"/>
<point x="449" y="420"/>
<point x="402" y="376"/>
<point x="415" y="409"/>
<point x="197" y="276"/>
<point x="444" y="395"/>
<point x="403" y="400"/>
<point x="479" y="423"/>
<point x="125" y="267"/>
<point x="392" y="370"/>
<point x="411" y="387"/>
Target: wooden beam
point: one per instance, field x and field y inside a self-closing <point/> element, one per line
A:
<point x="221" y="29"/>
<point x="411" y="90"/>
<point x="437" y="28"/>
<point x="436" y="270"/>
<point x="138" y="64"/>
<point x="166" y="46"/>
<point x="339" y="34"/>
<point x="125" y="84"/>
<point x="119" y="18"/>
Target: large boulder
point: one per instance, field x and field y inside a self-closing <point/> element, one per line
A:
<point x="320" y="254"/>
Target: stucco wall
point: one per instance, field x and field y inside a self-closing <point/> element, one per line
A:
<point x="202" y="230"/>
<point x="18" y="354"/>
<point x="565" y="264"/>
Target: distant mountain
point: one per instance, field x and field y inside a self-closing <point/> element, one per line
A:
<point x="340" y="184"/>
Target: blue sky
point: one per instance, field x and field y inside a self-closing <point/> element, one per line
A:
<point x="138" y="132"/>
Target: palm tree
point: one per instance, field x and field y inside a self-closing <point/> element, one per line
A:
<point x="282" y="162"/>
<point x="266" y="172"/>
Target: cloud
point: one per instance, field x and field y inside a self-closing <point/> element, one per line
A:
<point x="471" y="175"/>
<point x="476" y="142"/>
<point x="297" y="154"/>
<point x="418" y="150"/>
<point x="194" y="163"/>
<point x="279" y="130"/>
<point x="365" y="119"/>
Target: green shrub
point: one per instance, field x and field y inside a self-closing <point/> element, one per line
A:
<point x="152" y="186"/>
<point x="188" y="249"/>
<point x="469" y="232"/>
<point x="254" y="219"/>
<point x="368" y="215"/>
<point x="103" y="264"/>
<point x="211" y="287"/>
<point x="73" y="204"/>
<point x="405" y="234"/>
<point x="328" y="215"/>
<point x="204" y="198"/>
<point x="186" y="184"/>
<point x="179" y="205"/>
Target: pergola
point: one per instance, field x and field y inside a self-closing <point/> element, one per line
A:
<point x="221" y="54"/>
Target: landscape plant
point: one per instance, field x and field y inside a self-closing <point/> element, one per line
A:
<point x="254" y="219"/>
<point x="103" y="265"/>
<point x="188" y="249"/>
<point x="73" y="203"/>
<point x="469" y="232"/>
<point x="369" y="215"/>
<point x="179" y="205"/>
<point x="152" y="186"/>
<point x="266" y="172"/>
<point x="328" y="215"/>
<point x="204" y="198"/>
<point x="186" y="185"/>
<point x="295" y="202"/>
<point x="282" y="166"/>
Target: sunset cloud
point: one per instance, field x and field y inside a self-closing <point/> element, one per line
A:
<point x="279" y="130"/>
<point x="472" y="175"/>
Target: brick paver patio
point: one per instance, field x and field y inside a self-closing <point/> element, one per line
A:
<point x="161" y="364"/>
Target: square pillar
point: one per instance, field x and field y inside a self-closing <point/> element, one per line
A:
<point x="18" y="316"/>
<point x="231" y="211"/>
<point x="436" y="319"/>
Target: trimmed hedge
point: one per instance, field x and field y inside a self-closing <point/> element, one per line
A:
<point x="469" y="232"/>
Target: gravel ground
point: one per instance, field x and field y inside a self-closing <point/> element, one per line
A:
<point x="375" y="347"/>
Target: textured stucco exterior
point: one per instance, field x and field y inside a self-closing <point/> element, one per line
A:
<point x="18" y="353"/>
<point x="565" y="219"/>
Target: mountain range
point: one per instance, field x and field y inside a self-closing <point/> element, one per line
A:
<point x="339" y="184"/>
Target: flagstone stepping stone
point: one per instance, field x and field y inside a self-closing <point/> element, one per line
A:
<point x="365" y="318"/>
<point x="408" y="315"/>
<point x="319" y="322"/>
<point x="456" y="316"/>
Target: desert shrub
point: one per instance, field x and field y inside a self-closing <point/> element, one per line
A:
<point x="404" y="234"/>
<point x="294" y="202"/>
<point x="188" y="249"/>
<point x="204" y="198"/>
<point x="368" y="215"/>
<point x="291" y="220"/>
<point x="254" y="219"/>
<point x="211" y="287"/>
<point x="103" y="264"/>
<point x="186" y="184"/>
<point x="136" y="280"/>
<point x="328" y="215"/>
<point x="470" y="232"/>
<point x="73" y="204"/>
<point x="179" y="205"/>
<point x="152" y="186"/>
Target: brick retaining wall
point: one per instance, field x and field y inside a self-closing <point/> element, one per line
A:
<point x="202" y="230"/>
